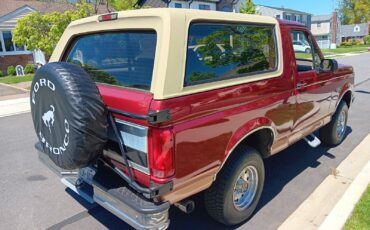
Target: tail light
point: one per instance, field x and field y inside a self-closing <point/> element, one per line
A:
<point x="108" y="17"/>
<point x="161" y="154"/>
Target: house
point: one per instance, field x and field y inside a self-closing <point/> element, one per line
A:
<point x="325" y="29"/>
<point x="285" y="13"/>
<point x="219" y="5"/>
<point x="353" y="32"/>
<point x="10" y="12"/>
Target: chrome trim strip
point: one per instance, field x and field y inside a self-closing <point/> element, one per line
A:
<point x="133" y="135"/>
<point x="118" y="208"/>
<point x="134" y="165"/>
<point x="70" y="183"/>
<point x="124" y="212"/>
<point x="139" y="167"/>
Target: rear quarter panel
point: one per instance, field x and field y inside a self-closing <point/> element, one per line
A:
<point x="207" y="125"/>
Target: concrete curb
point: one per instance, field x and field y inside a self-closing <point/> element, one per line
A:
<point x="343" y="55"/>
<point x="323" y="202"/>
<point x="343" y="209"/>
<point x="14" y="106"/>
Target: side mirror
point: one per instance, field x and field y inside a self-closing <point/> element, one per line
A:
<point x="328" y="65"/>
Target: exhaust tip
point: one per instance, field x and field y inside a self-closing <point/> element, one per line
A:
<point x="186" y="206"/>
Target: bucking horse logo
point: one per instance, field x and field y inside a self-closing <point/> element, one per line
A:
<point x="48" y="117"/>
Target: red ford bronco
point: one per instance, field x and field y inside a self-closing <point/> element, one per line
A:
<point x="140" y="110"/>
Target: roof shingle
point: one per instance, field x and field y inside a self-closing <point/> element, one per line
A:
<point x="8" y="6"/>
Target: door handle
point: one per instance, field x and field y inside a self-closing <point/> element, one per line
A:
<point x="301" y="84"/>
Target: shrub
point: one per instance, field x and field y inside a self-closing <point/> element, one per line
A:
<point x="345" y="44"/>
<point x="11" y="70"/>
<point x="355" y="42"/>
<point x="1" y="73"/>
<point x="29" y="69"/>
<point x="367" y="40"/>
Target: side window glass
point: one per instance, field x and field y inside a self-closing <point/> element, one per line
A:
<point x="217" y="52"/>
<point x="306" y="55"/>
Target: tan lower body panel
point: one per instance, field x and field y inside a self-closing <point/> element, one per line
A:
<point x="191" y="186"/>
<point x="285" y="142"/>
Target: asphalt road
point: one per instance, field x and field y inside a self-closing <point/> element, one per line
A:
<point x="33" y="198"/>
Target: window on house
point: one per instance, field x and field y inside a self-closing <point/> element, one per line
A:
<point x="294" y="18"/>
<point x="178" y="5"/>
<point x="204" y="7"/>
<point x="278" y="16"/>
<point x="318" y="25"/>
<point x="300" y="18"/>
<point x="8" y="42"/>
<point x="217" y="52"/>
<point x="226" y="9"/>
<point x="288" y="17"/>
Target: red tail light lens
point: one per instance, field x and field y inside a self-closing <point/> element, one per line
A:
<point x="161" y="154"/>
<point x="108" y="17"/>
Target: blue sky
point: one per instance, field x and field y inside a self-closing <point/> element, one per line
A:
<point x="315" y="7"/>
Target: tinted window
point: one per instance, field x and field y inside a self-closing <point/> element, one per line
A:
<point x="122" y="58"/>
<point x="219" y="51"/>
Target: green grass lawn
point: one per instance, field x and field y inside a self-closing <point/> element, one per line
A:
<point x="360" y="219"/>
<point x="15" y="79"/>
<point x="350" y="49"/>
<point x="337" y="51"/>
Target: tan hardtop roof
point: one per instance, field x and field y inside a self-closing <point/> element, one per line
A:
<point x="171" y="26"/>
<point x="192" y="13"/>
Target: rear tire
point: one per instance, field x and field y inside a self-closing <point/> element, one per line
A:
<point x="334" y="132"/>
<point x="307" y="51"/>
<point x="243" y="174"/>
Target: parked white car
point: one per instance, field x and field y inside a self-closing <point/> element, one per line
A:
<point x="300" y="46"/>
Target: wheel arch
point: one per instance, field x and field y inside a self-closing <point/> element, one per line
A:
<point x="347" y="97"/>
<point x="260" y="138"/>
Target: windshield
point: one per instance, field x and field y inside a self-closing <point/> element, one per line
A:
<point x="116" y="58"/>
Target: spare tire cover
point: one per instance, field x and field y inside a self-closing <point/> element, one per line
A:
<point x="69" y="116"/>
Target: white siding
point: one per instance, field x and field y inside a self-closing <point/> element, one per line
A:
<point x="194" y="5"/>
<point x="324" y="28"/>
<point x="9" y="21"/>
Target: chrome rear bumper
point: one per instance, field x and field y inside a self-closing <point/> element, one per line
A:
<point x="126" y="204"/>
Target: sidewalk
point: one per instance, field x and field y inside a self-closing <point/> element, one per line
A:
<point x="13" y="100"/>
<point x="15" y="106"/>
<point x="329" y="206"/>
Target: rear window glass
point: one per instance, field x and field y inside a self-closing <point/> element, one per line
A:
<point x="218" y="51"/>
<point x="118" y="58"/>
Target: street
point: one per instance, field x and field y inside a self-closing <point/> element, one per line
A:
<point x="32" y="197"/>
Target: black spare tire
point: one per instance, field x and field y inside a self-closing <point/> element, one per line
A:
<point x="68" y="113"/>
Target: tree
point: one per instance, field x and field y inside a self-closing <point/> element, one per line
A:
<point x="123" y="5"/>
<point x="248" y="7"/>
<point x="43" y="31"/>
<point x="354" y="11"/>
